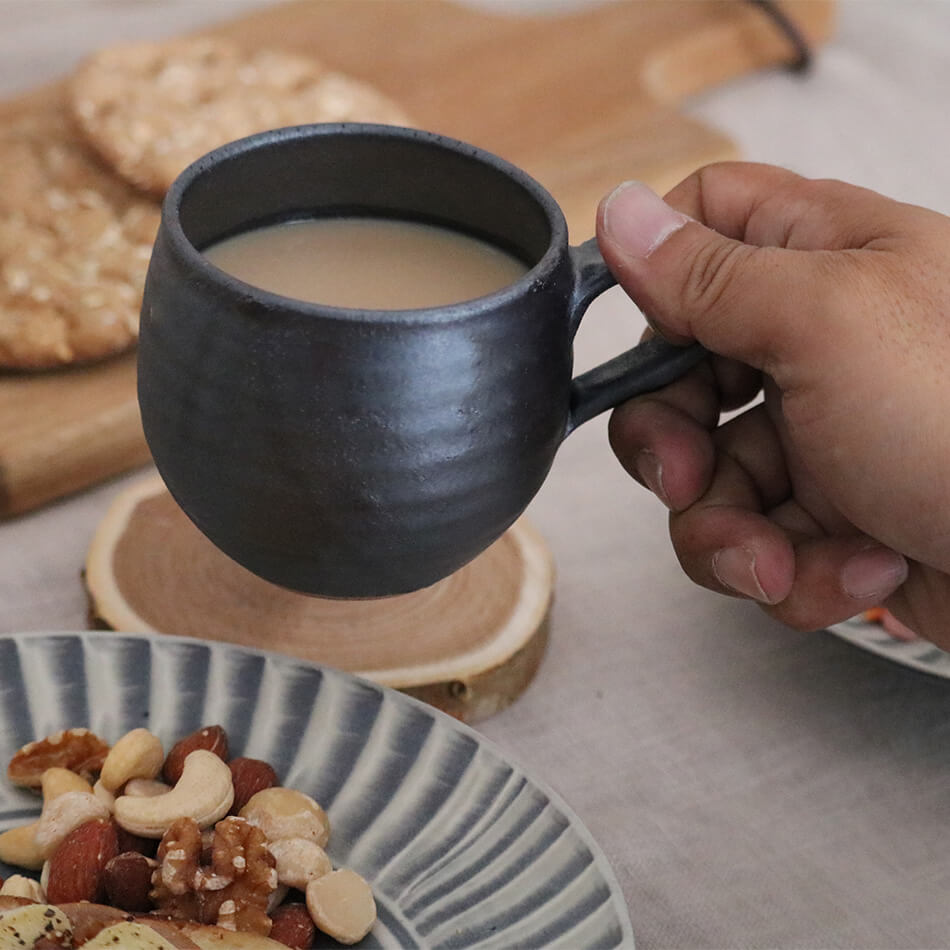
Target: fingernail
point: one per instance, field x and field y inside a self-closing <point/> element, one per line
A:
<point x="638" y="220"/>
<point x="735" y="568"/>
<point x="873" y="572"/>
<point x="650" y="470"/>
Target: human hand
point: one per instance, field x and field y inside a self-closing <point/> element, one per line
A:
<point x="831" y="494"/>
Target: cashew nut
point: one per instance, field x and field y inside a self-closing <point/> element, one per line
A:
<point x="64" y="814"/>
<point x="287" y="813"/>
<point x="57" y="781"/>
<point x="145" y="788"/>
<point x="104" y="795"/>
<point x="276" y="898"/>
<point x="204" y="792"/>
<point x="19" y="845"/>
<point x="299" y="861"/>
<point x="138" y="754"/>
<point x="18" y="885"/>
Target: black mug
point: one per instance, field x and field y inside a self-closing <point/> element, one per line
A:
<point x="361" y="453"/>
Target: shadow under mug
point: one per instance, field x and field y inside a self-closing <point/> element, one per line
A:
<point x="360" y="453"/>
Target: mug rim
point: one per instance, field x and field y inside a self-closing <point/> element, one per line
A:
<point x="193" y="258"/>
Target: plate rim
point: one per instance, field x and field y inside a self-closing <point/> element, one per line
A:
<point x="605" y="868"/>
<point x="920" y="655"/>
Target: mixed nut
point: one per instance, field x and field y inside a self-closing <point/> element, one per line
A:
<point x="192" y="835"/>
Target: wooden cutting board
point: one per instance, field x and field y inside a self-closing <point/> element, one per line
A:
<point x="582" y="100"/>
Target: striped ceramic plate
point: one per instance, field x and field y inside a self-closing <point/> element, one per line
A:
<point x="917" y="654"/>
<point x="461" y="847"/>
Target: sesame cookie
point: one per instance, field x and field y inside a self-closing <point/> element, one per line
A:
<point x="150" y="109"/>
<point x="75" y="241"/>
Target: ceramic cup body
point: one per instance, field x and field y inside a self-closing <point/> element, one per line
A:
<point x="353" y="453"/>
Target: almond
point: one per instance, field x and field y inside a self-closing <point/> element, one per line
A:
<point x="212" y="738"/>
<point x="77" y="865"/>
<point x="250" y="776"/>
<point x="128" y="880"/>
<point x="293" y="926"/>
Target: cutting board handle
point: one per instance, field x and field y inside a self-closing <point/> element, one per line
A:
<point x="652" y="364"/>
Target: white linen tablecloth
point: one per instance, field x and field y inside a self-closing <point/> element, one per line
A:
<point x="751" y="786"/>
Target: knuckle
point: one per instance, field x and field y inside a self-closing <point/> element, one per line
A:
<point x="710" y="276"/>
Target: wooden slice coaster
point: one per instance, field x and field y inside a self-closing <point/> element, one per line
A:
<point x="469" y="644"/>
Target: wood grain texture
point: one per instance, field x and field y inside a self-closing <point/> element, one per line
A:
<point x="469" y="644"/>
<point x="581" y="100"/>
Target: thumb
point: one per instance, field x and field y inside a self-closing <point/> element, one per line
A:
<point x="739" y="300"/>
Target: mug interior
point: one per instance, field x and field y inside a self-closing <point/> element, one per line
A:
<point x="351" y="169"/>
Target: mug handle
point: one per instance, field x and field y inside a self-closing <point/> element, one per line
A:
<point x="644" y="368"/>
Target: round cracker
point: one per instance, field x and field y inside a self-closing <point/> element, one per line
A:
<point x="75" y="241"/>
<point x="151" y="109"/>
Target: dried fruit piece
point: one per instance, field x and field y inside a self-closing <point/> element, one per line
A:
<point x="131" y="842"/>
<point x="78" y="750"/>
<point x="77" y="866"/>
<point x="127" y="879"/>
<point x="293" y="926"/>
<point x="212" y="738"/>
<point x="250" y="776"/>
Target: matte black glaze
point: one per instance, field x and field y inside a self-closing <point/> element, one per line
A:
<point x="353" y="453"/>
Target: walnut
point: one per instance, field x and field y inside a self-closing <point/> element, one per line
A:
<point x="179" y="862"/>
<point x="240" y="850"/>
<point x="232" y="892"/>
<point x="78" y="750"/>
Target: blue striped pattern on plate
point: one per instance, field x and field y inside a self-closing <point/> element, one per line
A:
<point x="917" y="654"/>
<point x="461" y="847"/>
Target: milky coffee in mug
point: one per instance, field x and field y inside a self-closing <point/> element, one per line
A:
<point x="377" y="263"/>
